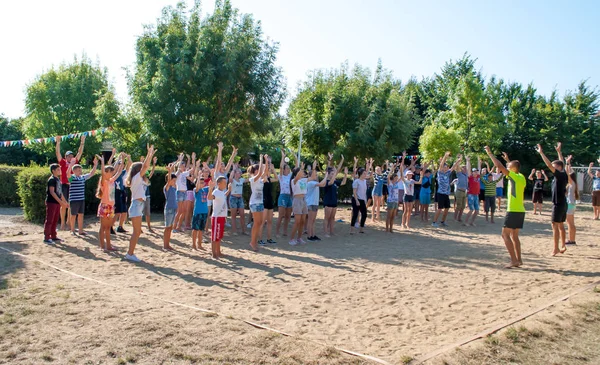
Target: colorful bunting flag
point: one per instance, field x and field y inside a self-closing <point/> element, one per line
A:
<point x="24" y="142"/>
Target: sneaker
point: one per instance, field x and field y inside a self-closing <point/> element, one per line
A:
<point x="227" y="224"/>
<point x="132" y="258"/>
<point x="249" y="226"/>
<point x="434" y="224"/>
<point x="112" y="230"/>
<point x="316" y="238"/>
<point x="49" y="242"/>
<point x="357" y="225"/>
<point x="205" y="240"/>
<point x="301" y="241"/>
<point x="73" y="233"/>
<point x="444" y="224"/>
<point x="311" y="239"/>
<point x="270" y="241"/>
<point x="121" y="230"/>
<point x="570" y="243"/>
<point x="293" y="242"/>
<point x="262" y="243"/>
<point x="57" y="240"/>
<point x="340" y="221"/>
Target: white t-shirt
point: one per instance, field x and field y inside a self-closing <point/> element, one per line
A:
<point x="409" y="187"/>
<point x="500" y="183"/>
<point x="312" y="193"/>
<point x="361" y="189"/>
<point x="219" y="204"/>
<point x="219" y="174"/>
<point x="237" y="186"/>
<point x="284" y="183"/>
<point x="138" y="188"/>
<point x="400" y="184"/>
<point x="300" y="186"/>
<point x="256" y="185"/>
<point x="181" y="180"/>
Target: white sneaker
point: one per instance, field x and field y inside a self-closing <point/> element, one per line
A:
<point x="132" y="258"/>
<point x="356" y="225"/>
<point x="301" y="241"/>
<point x="227" y="225"/>
<point x="293" y="243"/>
<point x="434" y="224"/>
<point x="249" y="226"/>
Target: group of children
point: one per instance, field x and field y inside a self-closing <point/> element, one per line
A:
<point x="194" y="190"/>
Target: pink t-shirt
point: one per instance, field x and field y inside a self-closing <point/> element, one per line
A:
<point x="108" y="192"/>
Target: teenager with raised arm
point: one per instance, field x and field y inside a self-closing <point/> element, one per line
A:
<point x="443" y="190"/>
<point x="269" y="203"/>
<point x="77" y="193"/>
<point x="559" y="199"/>
<point x="539" y="178"/>
<point x="299" y="207"/>
<point x="106" y="193"/>
<point x="572" y="198"/>
<point x="64" y="165"/>
<point x="258" y="175"/>
<point x="515" y="211"/>
<point x="284" y="202"/>
<point x="312" y="201"/>
<point x="474" y="190"/>
<point x="595" y="189"/>
<point x="138" y="195"/>
<point x="330" y="198"/>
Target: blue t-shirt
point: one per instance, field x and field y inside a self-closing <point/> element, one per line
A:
<point x="463" y="181"/>
<point x="170" y="198"/>
<point x="201" y="204"/>
<point x="443" y="179"/>
<point x="393" y="192"/>
<point x="596" y="183"/>
<point x="426" y="185"/>
<point x="120" y="182"/>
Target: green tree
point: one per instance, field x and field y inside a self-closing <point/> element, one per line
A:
<point x="436" y="140"/>
<point x="200" y="80"/>
<point x="10" y="130"/>
<point x="72" y="98"/>
<point x="352" y="113"/>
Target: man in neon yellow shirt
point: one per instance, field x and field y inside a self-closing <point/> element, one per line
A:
<point x="515" y="212"/>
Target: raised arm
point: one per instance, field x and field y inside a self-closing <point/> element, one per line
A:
<point x="149" y="156"/>
<point x="219" y="159"/>
<point x="532" y="174"/>
<point x="58" y="155"/>
<point x="339" y="166"/>
<point x="70" y="169"/>
<point x="589" y="171"/>
<point x="424" y="167"/>
<point x="94" y="168"/>
<point x="211" y="187"/>
<point x="444" y="159"/>
<point x="345" y="176"/>
<point x="297" y="177"/>
<point x="496" y="162"/>
<point x="154" y="159"/>
<point x="264" y="173"/>
<point x="231" y="159"/>
<point x="282" y="162"/>
<point x="468" y="166"/>
<point x="558" y="149"/>
<point x="354" y="169"/>
<point x="546" y="160"/>
<point x="80" y="150"/>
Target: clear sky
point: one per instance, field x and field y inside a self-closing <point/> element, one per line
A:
<point x="554" y="44"/>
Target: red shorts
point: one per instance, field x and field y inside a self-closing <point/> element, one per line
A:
<point x="106" y="211"/>
<point x="218" y="228"/>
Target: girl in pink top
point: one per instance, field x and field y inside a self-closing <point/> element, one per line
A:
<point x="106" y="194"/>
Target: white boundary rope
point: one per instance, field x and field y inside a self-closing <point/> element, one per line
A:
<point x="253" y="324"/>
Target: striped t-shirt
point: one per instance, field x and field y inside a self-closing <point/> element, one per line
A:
<point x="490" y="186"/>
<point x="77" y="189"/>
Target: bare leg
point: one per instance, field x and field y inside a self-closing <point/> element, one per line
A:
<point x="136" y="222"/>
<point x="80" y="223"/>
<point x="571" y="226"/>
<point x="234" y="220"/>
<point x="167" y="237"/>
<point x="561" y="230"/>
<point x="510" y="247"/>
<point x="72" y="222"/>
<point x="555" y="236"/>
<point x="242" y="220"/>
<point x="445" y="215"/>
<point x="517" y="243"/>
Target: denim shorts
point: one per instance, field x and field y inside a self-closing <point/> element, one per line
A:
<point x="284" y="201"/>
<point x="199" y="221"/>
<point x="181" y="196"/>
<point x="257" y="208"/>
<point x="499" y="192"/>
<point x="313" y="208"/>
<point x="571" y="209"/>
<point x="136" y="209"/>
<point x="378" y="190"/>
<point x="236" y="202"/>
<point x="392" y="206"/>
<point x="170" y="217"/>
<point x="473" y="202"/>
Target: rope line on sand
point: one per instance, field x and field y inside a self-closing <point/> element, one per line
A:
<point x="496" y="328"/>
<point x="253" y="324"/>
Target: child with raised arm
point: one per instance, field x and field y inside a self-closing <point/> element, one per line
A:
<point x="236" y="200"/>
<point x="489" y="205"/>
<point x="595" y="190"/>
<point x="299" y="208"/>
<point x="284" y="202"/>
<point x="200" y="213"/>
<point x="218" y="194"/>
<point x="312" y="201"/>
<point x="515" y="212"/>
<point x="65" y="185"/>
<point x="559" y="198"/>
<point x="473" y="193"/>
<point x="106" y="193"/>
<point x="392" y="200"/>
<point x="539" y="178"/>
<point x="258" y="174"/>
<point x="330" y="198"/>
<point x="425" y="197"/>
<point x="409" y="189"/>
<point x="269" y="204"/>
<point x="443" y="191"/>
<point x="170" y="192"/>
<point x="147" y="206"/>
<point x="77" y="193"/>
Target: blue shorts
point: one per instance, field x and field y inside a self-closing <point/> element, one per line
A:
<point x="181" y="196"/>
<point x="425" y="197"/>
<point x="499" y="192"/>
<point x="378" y="190"/>
<point x="136" y="209"/>
<point x="170" y="217"/>
<point x="236" y="202"/>
<point x="257" y="208"/>
<point x="120" y="201"/>
<point x="284" y="201"/>
<point x="473" y="202"/>
<point x="199" y="221"/>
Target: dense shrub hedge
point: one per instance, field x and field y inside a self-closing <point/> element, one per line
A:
<point x="31" y="182"/>
<point x="8" y="185"/>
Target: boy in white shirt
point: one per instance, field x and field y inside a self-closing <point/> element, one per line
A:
<point x="219" y="214"/>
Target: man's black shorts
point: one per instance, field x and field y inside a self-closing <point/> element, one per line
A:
<point x="65" y="190"/>
<point x="559" y="213"/>
<point x="514" y="220"/>
<point x="120" y="201"/>
<point x="443" y="201"/>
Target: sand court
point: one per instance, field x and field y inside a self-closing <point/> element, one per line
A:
<point x="388" y="296"/>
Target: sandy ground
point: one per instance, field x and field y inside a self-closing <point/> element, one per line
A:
<point x="390" y="296"/>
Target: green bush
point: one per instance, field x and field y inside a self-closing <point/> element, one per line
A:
<point x="32" y="183"/>
<point x="8" y="187"/>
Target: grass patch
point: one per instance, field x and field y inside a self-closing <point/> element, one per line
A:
<point x="210" y="315"/>
<point x="597" y="289"/>
<point x="47" y="358"/>
<point x="512" y="334"/>
<point x="121" y="361"/>
<point x="406" y="359"/>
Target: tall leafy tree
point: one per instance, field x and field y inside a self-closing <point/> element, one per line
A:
<point x="352" y="112"/>
<point x="200" y="80"/>
<point x="10" y="130"/>
<point x="72" y="98"/>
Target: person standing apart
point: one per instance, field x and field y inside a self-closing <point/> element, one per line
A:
<point x="64" y="165"/>
<point x="559" y="198"/>
<point x="538" y="177"/>
<point x="595" y="190"/>
<point x="515" y="211"/>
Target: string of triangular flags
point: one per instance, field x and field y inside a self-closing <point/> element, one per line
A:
<point x="25" y="142"/>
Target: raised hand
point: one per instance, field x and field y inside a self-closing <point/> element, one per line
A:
<point x="58" y="139"/>
<point x="330" y="155"/>
<point x="95" y="160"/>
<point x="558" y="147"/>
<point x="220" y="146"/>
<point x="505" y="156"/>
<point x="569" y="158"/>
<point x="154" y="160"/>
<point x="591" y="164"/>
<point x="447" y="154"/>
<point x="83" y="138"/>
<point x="194" y="156"/>
<point x="345" y="170"/>
<point x="356" y="160"/>
<point x="101" y="158"/>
